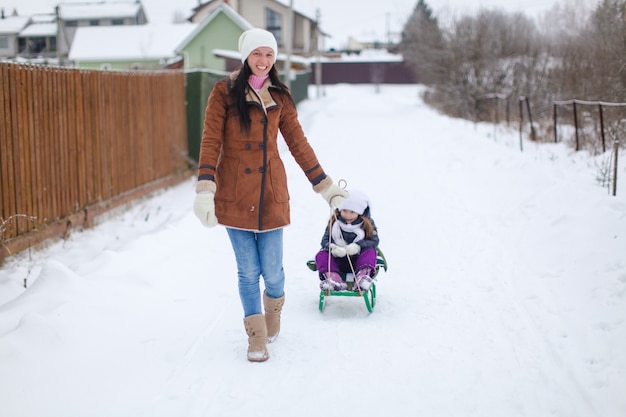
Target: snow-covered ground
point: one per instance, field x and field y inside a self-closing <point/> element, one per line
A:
<point x="505" y="294"/>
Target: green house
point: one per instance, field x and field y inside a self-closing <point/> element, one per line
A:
<point x="220" y="29"/>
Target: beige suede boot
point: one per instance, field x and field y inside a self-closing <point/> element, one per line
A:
<point x="273" y="307"/>
<point x="257" y="338"/>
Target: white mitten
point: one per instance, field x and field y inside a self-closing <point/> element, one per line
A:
<point x="204" y="208"/>
<point x="332" y="193"/>
<point x="337" y="251"/>
<point x="353" y="249"/>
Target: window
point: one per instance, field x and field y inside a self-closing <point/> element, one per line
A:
<point x="71" y="23"/>
<point x="36" y="45"/>
<point x="117" y="22"/>
<point x="4" y="42"/>
<point x="272" y="23"/>
<point x="94" y="22"/>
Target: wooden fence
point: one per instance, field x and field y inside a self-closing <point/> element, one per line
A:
<point x="73" y="141"/>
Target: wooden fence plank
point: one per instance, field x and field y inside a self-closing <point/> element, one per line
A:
<point x="35" y="140"/>
<point x="90" y="108"/>
<point x="28" y="146"/>
<point x="6" y="157"/>
<point x="15" y="130"/>
<point x="65" y="183"/>
<point x="72" y="133"/>
<point x="47" y="143"/>
<point x="79" y="121"/>
<point x="55" y="143"/>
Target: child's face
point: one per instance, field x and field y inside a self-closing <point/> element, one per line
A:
<point x="349" y="215"/>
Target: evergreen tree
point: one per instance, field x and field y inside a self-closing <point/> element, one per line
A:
<point x="423" y="45"/>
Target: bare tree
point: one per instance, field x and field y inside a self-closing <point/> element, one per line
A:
<point x="572" y="53"/>
<point x="492" y="52"/>
<point x="608" y="37"/>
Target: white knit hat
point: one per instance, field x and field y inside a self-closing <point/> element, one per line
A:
<point x="357" y="201"/>
<point x="256" y="38"/>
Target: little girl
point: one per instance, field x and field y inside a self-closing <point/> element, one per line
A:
<point x="348" y="245"/>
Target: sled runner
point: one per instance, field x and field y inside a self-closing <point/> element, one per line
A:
<point x="369" y="296"/>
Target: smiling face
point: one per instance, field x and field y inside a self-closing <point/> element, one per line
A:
<point x="261" y="61"/>
<point x="349" y="216"/>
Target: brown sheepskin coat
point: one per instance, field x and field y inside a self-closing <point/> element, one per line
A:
<point x="246" y="167"/>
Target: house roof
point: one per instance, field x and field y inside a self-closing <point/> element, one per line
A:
<point x="39" y="29"/>
<point x="122" y="43"/>
<point x="13" y="24"/>
<point x="220" y="8"/>
<point x="43" y="18"/>
<point x="285" y="3"/>
<point x="100" y="10"/>
<point x="295" y="59"/>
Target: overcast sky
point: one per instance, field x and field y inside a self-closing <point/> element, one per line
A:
<point x="362" y="19"/>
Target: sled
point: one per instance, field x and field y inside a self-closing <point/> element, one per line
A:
<point x="369" y="296"/>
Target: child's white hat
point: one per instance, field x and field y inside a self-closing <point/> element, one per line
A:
<point x="256" y="38"/>
<point x="357" y="201"/>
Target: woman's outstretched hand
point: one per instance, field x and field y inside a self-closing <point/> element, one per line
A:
<point x="332" y="193"/>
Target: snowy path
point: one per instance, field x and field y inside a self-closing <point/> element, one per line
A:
<point x="505" y="294"/>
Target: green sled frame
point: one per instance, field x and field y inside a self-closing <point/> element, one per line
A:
<point x="369" y="296"/>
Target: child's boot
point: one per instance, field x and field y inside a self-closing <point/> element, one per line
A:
<point x="363" y="280"/>
<point x="333" y="282"/>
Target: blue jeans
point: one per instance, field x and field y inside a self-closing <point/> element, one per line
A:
<point x="258" y="254"/>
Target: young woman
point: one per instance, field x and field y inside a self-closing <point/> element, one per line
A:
<point x="242" y="182"/>
<point x="348" y="245"/>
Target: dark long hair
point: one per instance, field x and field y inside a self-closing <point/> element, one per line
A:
<point x="240" y="86"/>
<point x="367" y="223"/>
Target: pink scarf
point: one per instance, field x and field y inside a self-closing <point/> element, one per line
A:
<point x="257" y="82"/>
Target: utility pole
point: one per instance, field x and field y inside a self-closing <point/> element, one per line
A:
<point x="318" y="58"/>
<point x="388" y="28"/>
<point x="58" y="42"/>
<point x="289" y="38"/>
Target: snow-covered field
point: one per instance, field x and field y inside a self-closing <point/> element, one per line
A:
<point x="505" y="294"/>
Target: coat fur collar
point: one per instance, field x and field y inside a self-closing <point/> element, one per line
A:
<point x="263" y="97"/>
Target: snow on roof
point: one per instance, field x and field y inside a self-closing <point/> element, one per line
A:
<point x="39" y="29"/>
<point x="296" y="59"/>
<point x="287" y="3"/>
<point x="13" y="24"/>
<point x="100" y="10"/>
<point x="43" y="18"/>
<point x="118" y="43"/>
<point x="371" y="55"/>
<point x="367" y="55"/>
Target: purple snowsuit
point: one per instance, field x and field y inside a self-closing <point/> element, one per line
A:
<point x="365" y="259"/>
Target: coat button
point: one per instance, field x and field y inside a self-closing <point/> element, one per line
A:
<point x="264" y="121"/>
<point x="261" y="145"/>
<point x="248" y="146"/>
<point x="261" y="170"/>
<point x="247" y="170"/>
